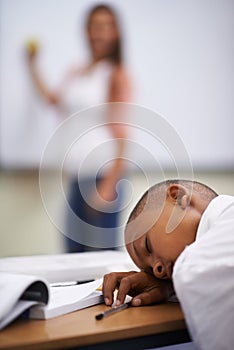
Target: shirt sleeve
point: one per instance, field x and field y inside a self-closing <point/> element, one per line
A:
<point x="203" y="279"/>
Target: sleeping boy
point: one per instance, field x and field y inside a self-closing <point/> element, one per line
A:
<point x="181" y="237"/>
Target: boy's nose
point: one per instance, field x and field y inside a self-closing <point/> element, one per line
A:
<point x="159" y="270"/>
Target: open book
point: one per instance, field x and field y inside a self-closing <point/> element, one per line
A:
<point x="19" y="293"/>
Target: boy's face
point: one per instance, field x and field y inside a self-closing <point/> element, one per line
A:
<point x="156" y="250"/>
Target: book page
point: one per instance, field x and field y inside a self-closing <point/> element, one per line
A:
<point x="68" y="299"/>
<point x="12" y="287"/>
<point x="18" y="309"/>
<point x="71" y="294"/>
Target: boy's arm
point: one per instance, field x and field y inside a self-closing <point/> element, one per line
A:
<point x="143" y="287"/>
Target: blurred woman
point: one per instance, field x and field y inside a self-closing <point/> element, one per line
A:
<point x="103" y="79"/>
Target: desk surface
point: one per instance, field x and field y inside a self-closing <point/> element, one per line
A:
<point x="81" y="329"/>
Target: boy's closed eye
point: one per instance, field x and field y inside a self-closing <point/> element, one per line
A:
<point x="148" y="245"/>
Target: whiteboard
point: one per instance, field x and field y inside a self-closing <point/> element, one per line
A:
<point x="180" y="54"/>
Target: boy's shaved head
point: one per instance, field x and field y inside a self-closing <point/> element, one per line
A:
<point x="164" y="222"/>
<point x="155" y="196"/>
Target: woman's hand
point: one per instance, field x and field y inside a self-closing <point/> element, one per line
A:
<point x="32" y="50"/>
<point x="143" y="287"/>
<point x="104" y="194"/>
<point x="106" y="189"/>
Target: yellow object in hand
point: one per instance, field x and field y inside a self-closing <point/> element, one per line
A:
<point x="32" y="46"/>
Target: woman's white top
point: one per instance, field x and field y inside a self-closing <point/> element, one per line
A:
<point x="203" y="278"/>
<point x="88" y="141"/>
<point x="88" y="88"/>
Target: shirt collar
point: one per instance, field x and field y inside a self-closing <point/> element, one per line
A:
<point x="212" y="212"/>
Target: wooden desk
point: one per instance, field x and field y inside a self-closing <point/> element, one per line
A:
<point x="133" y="328"/>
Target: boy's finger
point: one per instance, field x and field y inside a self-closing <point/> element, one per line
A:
<point x="110" y="282"/>
<point x="124" y="287"/>
<point x="113" y="281"/>
<point x="147" y="298"/>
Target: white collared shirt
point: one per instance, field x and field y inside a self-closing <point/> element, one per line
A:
<point x="203" y="278"/>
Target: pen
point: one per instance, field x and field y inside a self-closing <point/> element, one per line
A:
<point x="113" y="310"/>
<point x="70" y="283"/>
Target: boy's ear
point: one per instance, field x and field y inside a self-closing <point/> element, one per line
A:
<point x="178" y="194"/>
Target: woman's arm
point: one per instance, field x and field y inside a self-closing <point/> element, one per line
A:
<point x="46" y="93"/>
<point x="120" y="91"/>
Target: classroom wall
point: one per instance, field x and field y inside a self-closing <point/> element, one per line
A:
<point x="180" y="54"/>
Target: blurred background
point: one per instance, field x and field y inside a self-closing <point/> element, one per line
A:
<point x="180" y="57"/>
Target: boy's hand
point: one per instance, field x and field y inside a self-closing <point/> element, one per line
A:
<point x="143" y="287"/>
